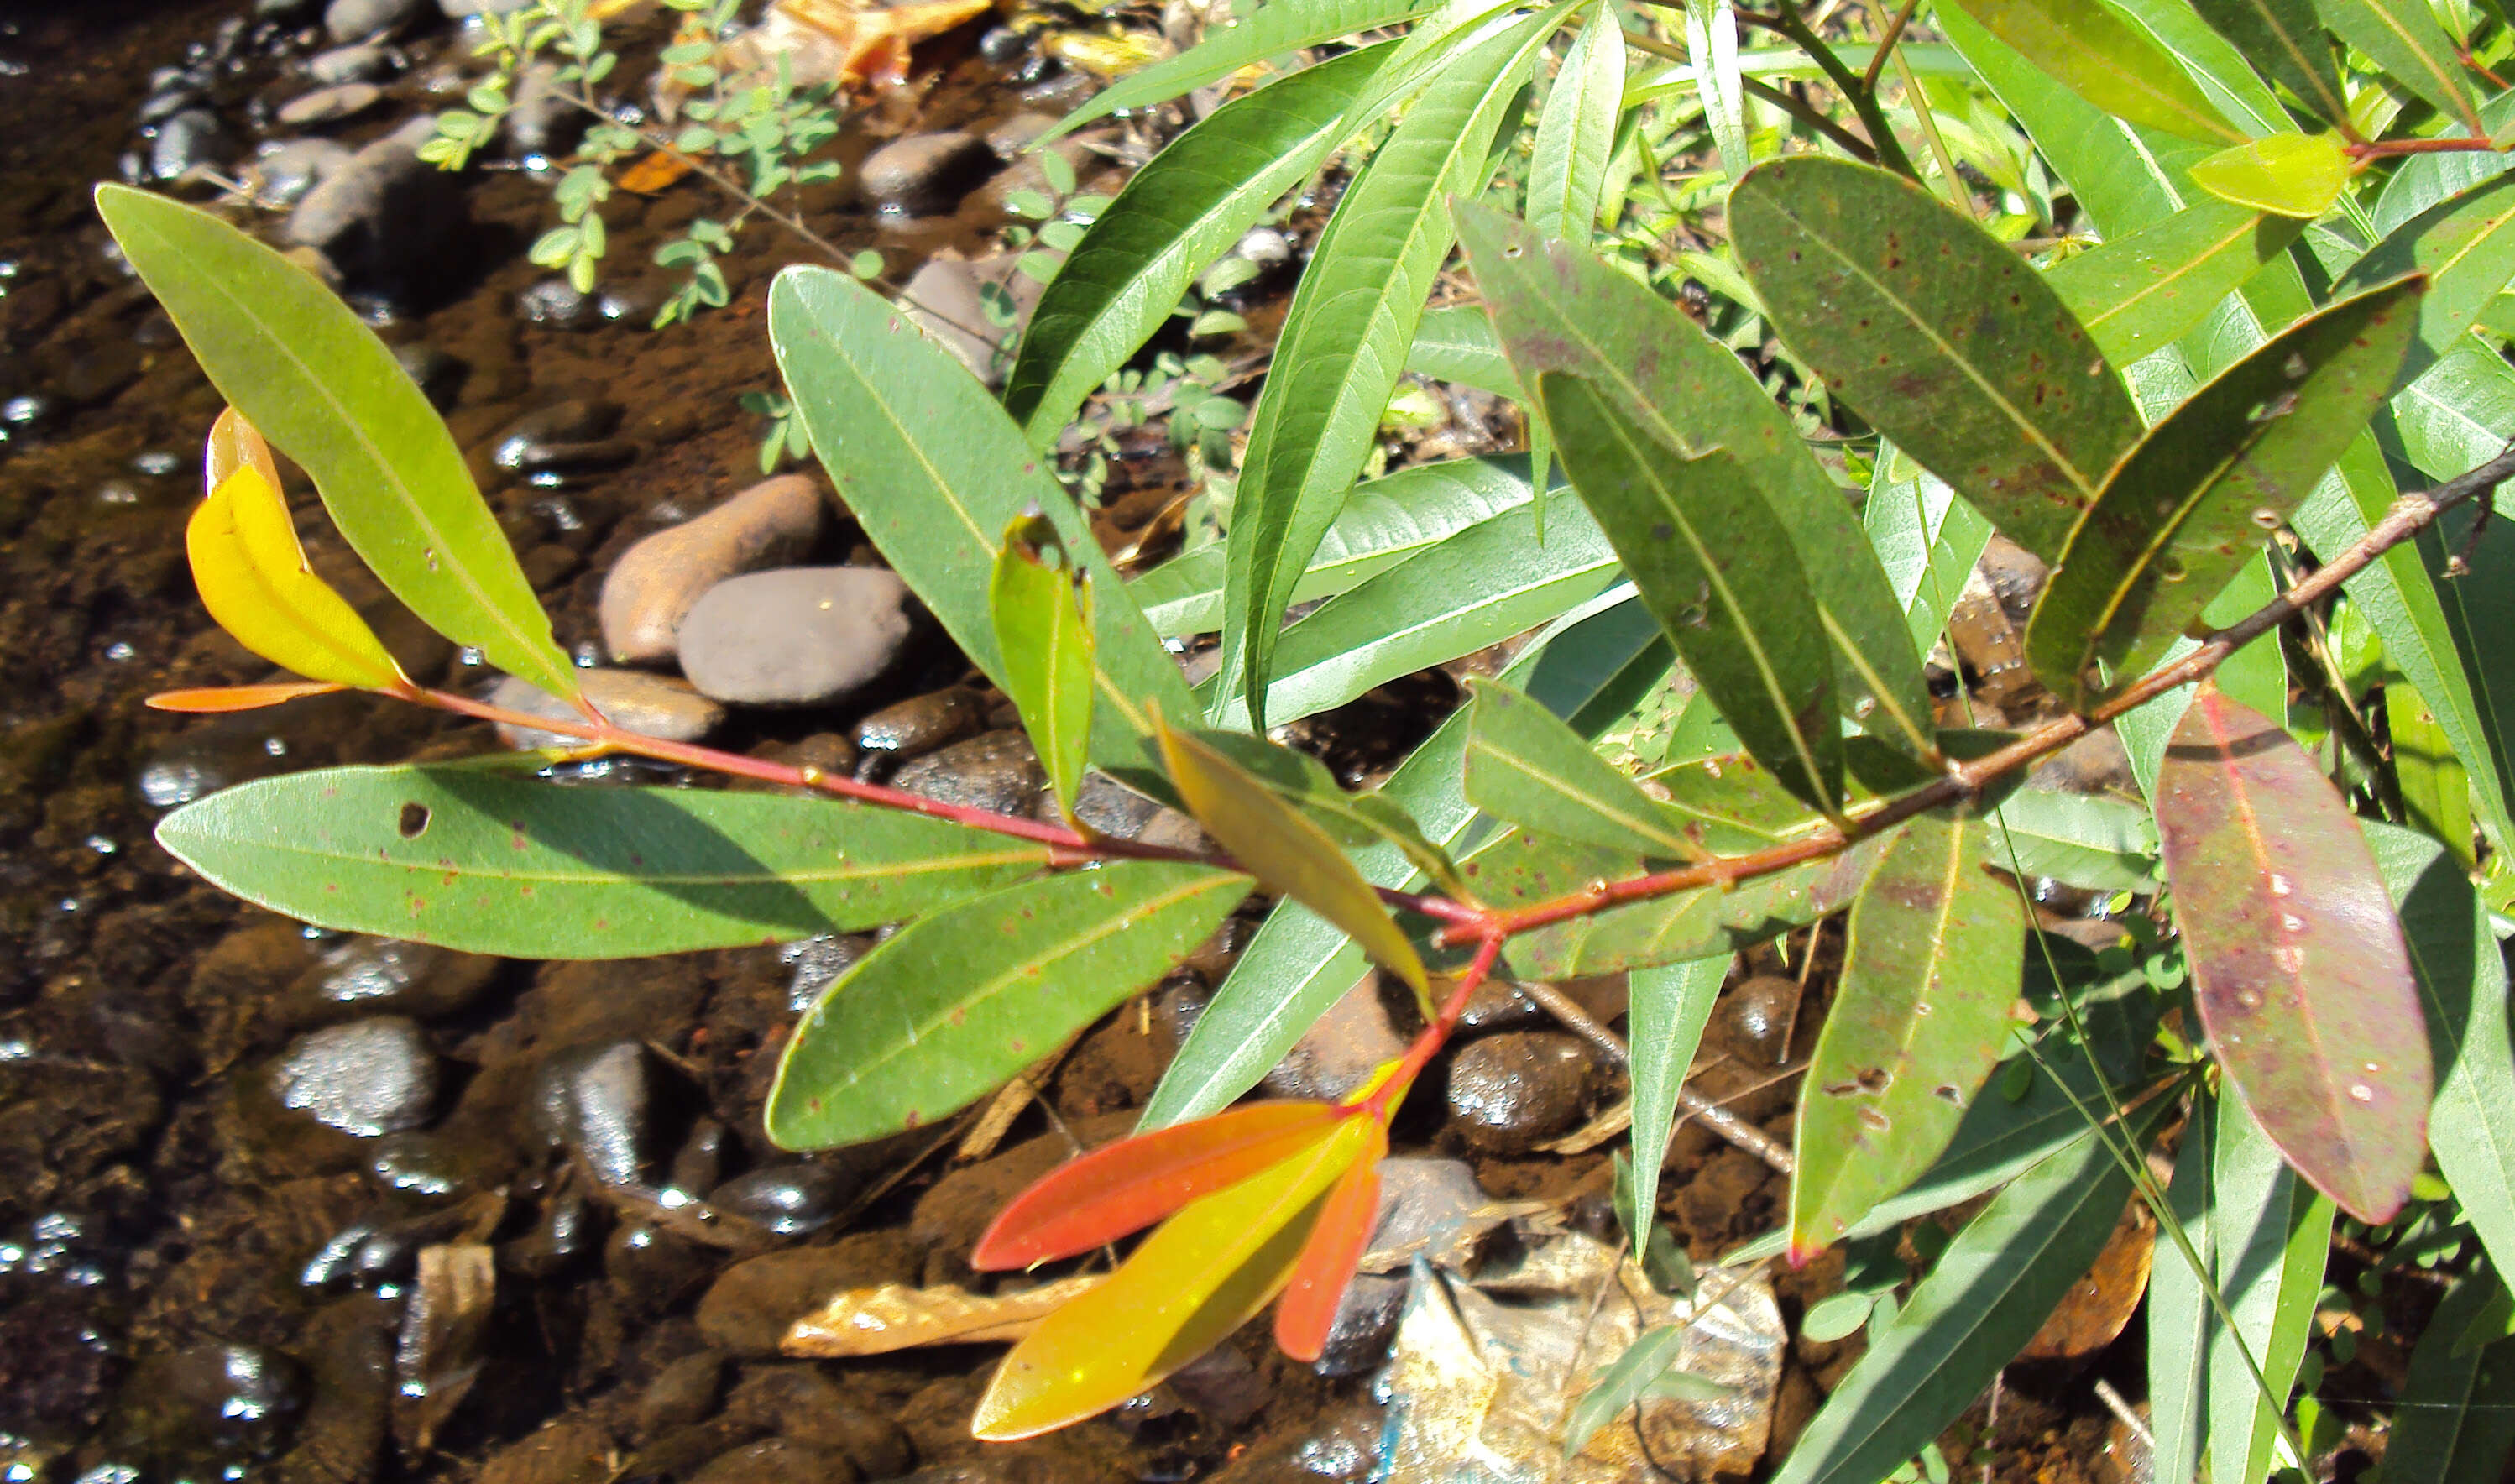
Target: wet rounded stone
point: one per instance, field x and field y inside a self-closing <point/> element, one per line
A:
<point x="577" y="420"/>
<point x="1365" y="1321"/>
<point x="329" y="105"/>
<point x="656" y="581"/>
<point x="803" y="1405"/>
<point x="283" y="177"/>
<point x="439" y="375"/>
<point x="1509" y="1092"/>
<point x="777" y="1460"/>
<point x="1756" y="1016"/>
<point x="352" y="20"/>
<point x="919" y="724"/>
<point x="921" y="173"/>
<point x="797" y="635"/>
<point x="366" y="1078"/>
<point x="998" y="772"/>
<point x="592" y="1101"/>
<point x="788" y="1200"/>
<point x="367" y="975"/>
<point x="362" y="62"/>
<point x="570" y="1451"/>
<point x="190" y="137"/>
<point x="680" y="1395"/>
<point x="213" y="1404"/>
<point x="650" y="705"/>
<point x="384" y="218"/>
<point x="431" y="1167"/>
<point x="1342" y="1049"/>
<point x="558" y="305"/>
<point x="751" y="1305"/>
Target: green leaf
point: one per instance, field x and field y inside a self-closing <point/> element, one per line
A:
<point x="1668" y="1009"/>
<point x="2402" y="38"/>
<point x="1271" y="32"/>
<point x="1560" y="310"/>
<point x="2186" y="509"/>
<point x="2093" y="841"/>
<point x="2436" y="787"/>
<point x="1930" y="969"/>
<point x="1042" y="608"/>
<point x="1926" y="539"/>
<point x="2424" y="179"/>
<point x="300" y="368"/>
<point x="1983" y="1299"/>
<point x="1589" y="671"/>
<point x="1290" y="855"/>
<point x="1576" y="134"/>
<point x="2288" y="175"/>
<point x="2094" y="52"/>
<point x="1345" y="337"/>
<point x="2285" y="40"/>
<point x="2466" y="245"/>
<point x="1351" y="819"/>
<point x="1939" y="336"/>
<point x="932" y="469"/>
<point x="2462" y="987"/>
<point x="2273" y="1238"/>
<point x="1623" y="1382"/>
<point x="469" y="860"/>
<point x="2452" y="1425"/>
<point x="1717" y="565"/>
<point x="2179" y="1316"/>
<point x="2297" y="961"/>
<point x="1456" y="344"/>
<point x="1711" y="46"/>
<point x="2147" y="288"/>
<point x="1525" y="767"/>
<point x="1177" y="216"/>
<point x="1383" y="522"/>
<point x="946" y="1009"/>
<point x="2459" y="413"/>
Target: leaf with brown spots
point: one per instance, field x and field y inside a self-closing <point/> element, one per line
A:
<point x="1940" y="336"/>
<point x="2298" y="964"/>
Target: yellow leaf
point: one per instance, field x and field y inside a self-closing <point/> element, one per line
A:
<point x="218" y="698"/>
<point x="2287" y="175"/>
<point x="254" y="578"/>
<point x="1206" y="1272"/>
<point x="1288" y="854"/>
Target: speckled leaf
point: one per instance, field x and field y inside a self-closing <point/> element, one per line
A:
<point x="2297" y="958"/>
<point x="296" y="362"/>
<point x="1939" y="336"/>
<point x="2187" y="507"/>
<point x="2285" y="40"/>
<point x="2288" y="175"/>
<point x="1932" y="967"/>
<point x="465" y="859"/>
<point x="2147" y="288"/>
<point x="2098" y="56"/>
<point x="943" y="1012"/>
<point x="2404" y="39"/>
<point x="1042" y="608"/>
<point x="2466" y="245"/>
<point x="1526" y="768"/>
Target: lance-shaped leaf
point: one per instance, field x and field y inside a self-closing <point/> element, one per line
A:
<point x="294" y="361"/>
<point x="1205" y="1273"/>
<point x="1940" y="337"/>
<point x="2184" y="511"/>
<point x="2285" y="40"/>
<point x="2095" y="841"/>
<point x="2404" y="39"/>
<point x="1119" y="1189"/>
<point x="254" y="579"/>
<point x="1289" y="854"/>
<point x="2453" y="1425"/>
<point x="1041" y="603"/>
<point x="1456" y="344"/>
<point x="1576" y="134"/>
<point x="2297" y="960"/>
<point x="1926" y="538"/>
<point x="2288" y="175"/>
<point x="1307" y="1314"/>
<point x="2095" y="54"/>
<point x="1526" y="768"/>
<point x="946" y="1009"/>
<point x="463" y="858"/>
<point x="1345" y="338"/>
<point x="1930" y="971"/>
<point x="212" y="699"/>
<point x="2466" y="248"/>
<point x="1712" y="46"/>
<point x="1351" y="819"/>
<point x="1561" y="309"/>
<point x="1668" y="1009"/>
<point x="1717" y="567"/>
<point x="2272" y="1236"/>
<point x="1184" y="209"/>
<point x="2146" y="289"/>
<point x="2179" y="1317"/>
<point x="1623" y="1384"/>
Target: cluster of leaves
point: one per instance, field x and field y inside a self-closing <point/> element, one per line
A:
<point x="2178" y="420"/>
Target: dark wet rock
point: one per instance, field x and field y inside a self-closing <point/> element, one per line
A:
<point x="921" y="173"/>
<point x="26" y="413"/>
<point x="364" y="1078"/>
<point x="283" y="177"/>
<point x="236" y="991"/>
<point x="217" y="1403"/>
<point x="363" y="61"/>
<point x="796" y="636"/>
<point x="816" y="964"/>
<point x="569" y="1451"/>
<point x="2016" y="576"/>
<point x="1429" y="1207"/>
<point x="554" y="464"/>
<point x="438" y="374"/>
<point x="329" y="105"/>
<point x="1347" y="1445"/>
<point x="1755" y="1018"/>
<point x="1498" y="1005"/>
<point x="558" y="305"/>
<point x="567" y="1229"/>
<point x="348" y="20"/>
<point x="599" y="1003"/>
<point x="97" y="374"/>
<point x="62" y="1121"/>
<point x="651" y="589"/>
<point x="1113" y="808"/>
<point x="946" y="298"/>
<point x="1223" y="1386"/>
<point x="1365" y="1321"/>
<point x="912" y="728"/>
<point x="1509" y="1092"/>
<point x="998" y="772"/>
<point x="806" y="1406"/>
<point x="1003" y="46"/>
<point x="208" y="758"/>
<point x="2094" y="764"/>
<point x="57" y="1361"/>
<point x="592" y="1101"/>
<point x="777" y="1460"/>
<point x="1340" y="1051"/>
<point x="788" y="1200"/>
<point x="577" y="420"/>
<point x="1989" y="644"/>
<point x="386" y="217"/>
<point x="364" y="975"/>
<point x="1009" y="136"/>
<point x="434" y="1167"/>
<point x="189" y="138"/>
<point x="698" y="1165"/>
<point x="751" y="1305"/>
<point x="282" y="9"/>
<point x="464" y="10"/>
<point x="681" y="1394"/>
<point x="992" y="204"/>
<point x="651" y="705"/>
<point x="650" y="1269"/>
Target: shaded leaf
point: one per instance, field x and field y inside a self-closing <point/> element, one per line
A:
<point x="1576" y="134"/>
<point x="2179" y="1316"/>
<point x="2436" y="787"/>
<point x="1926" y="538"/>
<point x="1307" y="1314"/>
<point x="2287" y="175"/>
<point x="2466" y="245"/>
<point x="1930" y="973"/>
<point x="1269" y="32"/>
<point x="1040" y="604"/>
<point x="1939" y="336"/>
<point x="2452" y="1425"/>
<point x="2285" y="40"/>
<point x="1526" y="768"/>
<point x="2297" y="961"/>
<point x="2187" y="507"/>
<point x="296" y="363"/>
<point x="464" y="859"/>
<point x="1456" y="344"/>
<point x="2402" y="38"/>
<point x="1183" y="210"/>
<point x="946" y="1009"/>
<point x="2273" y="1240"/>
<point x="2147" y="288"/>
<point x="2423" y="179"/>
<point x="2094" y="52"/>
<point x="1623" y="1384"/>
<point x="1668" y="1007"/>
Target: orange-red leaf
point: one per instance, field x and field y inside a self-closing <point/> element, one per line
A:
<point x="213" y="698"/>
<point x="1309" y="1307"/>
<point x="1130" y="1184"/>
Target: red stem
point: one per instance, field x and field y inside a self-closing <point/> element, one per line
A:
<point x="1391" y="1091"/>
<point x="2376" y="149"/>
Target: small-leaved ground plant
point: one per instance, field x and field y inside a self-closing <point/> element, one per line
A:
<point x="2195" y="301"/>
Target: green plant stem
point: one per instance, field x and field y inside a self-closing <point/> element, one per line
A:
<point x="1886" y="40"/>
<point x="1862" y="95"/>
<point x="1852" y="145"/>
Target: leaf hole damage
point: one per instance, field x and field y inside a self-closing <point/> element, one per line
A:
<point x="413" y="821"/>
